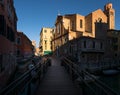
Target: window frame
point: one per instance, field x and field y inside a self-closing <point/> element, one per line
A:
<point x="81" y="23"/>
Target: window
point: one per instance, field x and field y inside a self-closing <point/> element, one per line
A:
<point x="84" y="44"/>
<point x="2" y="26"/>
<point x="59" y="28"/>
<point x="72" y="25"/>
<point x="100" y="20"/>
<point x="50" y="42"/>
<point x="115" y="47"/>
<point x="10" y="34"/>
<point x="70" y="49"/>
<point x="45" y="31"/>
<point x="45" y="44"/>
<point x="19" y="41"/>
<point x="101" y="45"/>
<point x="66" y="39"/>
<point x="93" y="44"/>
<point x="51" y="47"/>
<point x="115" y="40"/>
<point x="10" y="16"/>
<point x="81" y="23"/>
<point x="18" y="52"/>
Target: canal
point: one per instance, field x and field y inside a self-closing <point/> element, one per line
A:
<point x="112" y="81"/>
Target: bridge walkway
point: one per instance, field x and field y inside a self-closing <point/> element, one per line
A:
<point x="57" y="81"/>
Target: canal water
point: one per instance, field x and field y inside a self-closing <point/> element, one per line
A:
<point x="113" y="81"/>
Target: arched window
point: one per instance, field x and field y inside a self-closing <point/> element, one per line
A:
<point x="100" y="20"/>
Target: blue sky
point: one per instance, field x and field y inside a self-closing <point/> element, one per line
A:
<point x="35" y="14"/>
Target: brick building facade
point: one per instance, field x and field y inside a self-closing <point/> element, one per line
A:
<point x="24" y="46"/>
<point x="8" y="31"/>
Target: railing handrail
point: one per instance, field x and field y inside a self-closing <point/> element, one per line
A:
<point x="17" y="81"/>
<point x="99" y="83"/>
<point x="20" y="79"/>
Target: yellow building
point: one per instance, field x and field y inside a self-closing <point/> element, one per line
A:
<point x="95" y="25"/>
<point x="45" y="41"/>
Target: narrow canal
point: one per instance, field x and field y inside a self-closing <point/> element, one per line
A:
<point x="112" y="81"/>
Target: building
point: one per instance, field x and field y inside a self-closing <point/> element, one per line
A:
<point x="94" y="25"/>
<point x="34" y="46"/>
<point x="45" y="45"/>
<point x="8" y="30"/>
<point x="113" y="44"/>
<point x="84" y="50"/>
<point x="24" y="46"/>
<point x="36" y="50"/>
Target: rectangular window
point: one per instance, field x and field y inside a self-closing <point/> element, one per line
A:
<point x="19" y="41"/>
<point x="59" y="28"/>
<point x="84" y="44"/>
<point x="9" y="11"/>
<point x="115" y="47"/>
<point x="115" y="40"/>
<point x="81" y="23"/>
<point x="2" y="26"/>
<point x="18" y="52"/>
<point x="93" y="44"/>
<point x="51" y="47"/>
<point x="72" y="25"/>
<point x="50" y="43"/>
<point x="45" y="31"/>
<point x="10" y="34"/>
<point x="45" y="45"/>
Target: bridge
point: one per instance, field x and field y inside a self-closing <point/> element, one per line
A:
<point x="57" y="77"/>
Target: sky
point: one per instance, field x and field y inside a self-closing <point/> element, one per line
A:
<point x="35" y="14"/>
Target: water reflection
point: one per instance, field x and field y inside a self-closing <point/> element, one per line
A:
<point x="112" y="81"/>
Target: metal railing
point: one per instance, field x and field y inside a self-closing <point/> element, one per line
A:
<point x="23" y="83"/>
<point x="90" y="84"/>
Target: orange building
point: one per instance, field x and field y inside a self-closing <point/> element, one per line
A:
<point x="24" y="46"/>
<point x="95" y="25"/>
